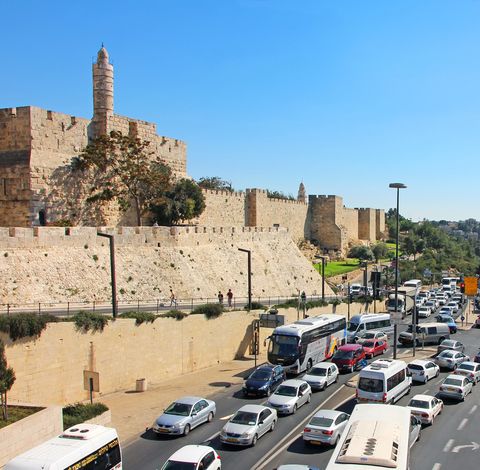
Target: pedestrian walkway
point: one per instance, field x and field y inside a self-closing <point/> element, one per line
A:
<point x="133" y="412"/>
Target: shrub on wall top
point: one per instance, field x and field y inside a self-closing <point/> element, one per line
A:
<point x="256" y="306"/>
<point x="87" y="321"/>
<point x="140" y="317"/>
<point x="79" y="413"/>
<point x="177" y="314"/>
<point x="22" y="325"/>
<point x="209" y="310"/>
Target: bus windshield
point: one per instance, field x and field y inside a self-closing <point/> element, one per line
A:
<point x="283" y="346"/>
<point x="352" y="326"/>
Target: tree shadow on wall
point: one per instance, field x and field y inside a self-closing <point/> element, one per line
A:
<point x="245" y="343"/>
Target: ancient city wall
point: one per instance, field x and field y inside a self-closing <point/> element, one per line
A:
<point x="350" y="222"/>
<point x="324" y="225"/>
<point x="223" y="208"/>
<point x="267" y="212"/>
<point x="367" y="227"/>
<point x="380" y="223"/>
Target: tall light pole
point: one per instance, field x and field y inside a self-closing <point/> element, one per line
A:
<point x="398" y="187"/>
<point x="249" y="267"/>
<point x="323" y="277"/>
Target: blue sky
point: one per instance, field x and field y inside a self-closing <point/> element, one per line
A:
<point x="347" y="96"/>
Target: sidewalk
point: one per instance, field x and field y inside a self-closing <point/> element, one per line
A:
<point x="133" y="412"/>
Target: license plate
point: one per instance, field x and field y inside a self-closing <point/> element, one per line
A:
<point x="163" y="430"/>
<point x="231" y="439"/>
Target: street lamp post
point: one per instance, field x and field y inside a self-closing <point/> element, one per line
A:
<point x="396" y="186"/>
<point x="323" y="277"/>
<point x="249" y="267"/>
<point x="111" y="239"/>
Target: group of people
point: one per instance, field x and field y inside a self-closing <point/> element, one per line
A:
<point x="173" y="298"/>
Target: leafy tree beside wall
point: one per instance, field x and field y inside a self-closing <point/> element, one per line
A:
<point x="215" y="183"/>
<point x="7" y="379"/>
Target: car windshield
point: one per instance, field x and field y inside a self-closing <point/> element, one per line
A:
<point x="343" y="354"/>
<point x="370" y="385"/>
<point x="286" y="391"/>
<point x="179" y="409"/>
<point x="368" y="336"/>
<point x="321" y="421"/>
<point x="352" y="326"/>
<point x="452" y="381"/>
<point x="448" y="354"/>
<point x="368" y="344"/>
<point x="419" y="404"/>
<point x="174" y="465"/>
<point x="466" y="366"/>
<point x="261" y="375"/>
<point x="318" y="371"/>
<point x="244" y="417"/>
<point x="448" y="343"/>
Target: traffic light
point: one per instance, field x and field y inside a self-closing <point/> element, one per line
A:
<point x="462" y="287"/>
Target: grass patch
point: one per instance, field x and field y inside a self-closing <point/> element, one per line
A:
<point x="86" y="321"/>
<point x="209" y="310"/>
<point x="16" y="413"/>
<point x="177" y="314"/>
<point x="79" y="413"/>
<point x="140" y="317"/>
<point x="334" y="268"/>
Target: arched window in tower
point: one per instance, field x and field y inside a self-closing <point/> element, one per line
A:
<point x="42" y="219"/>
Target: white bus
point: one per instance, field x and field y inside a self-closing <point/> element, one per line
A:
<point x="300" y="345"/>
<point x="81" y="447"/>
<point x="374" y="439"/>
<point x="383" y="381"/>
<point x="416" y="283"/>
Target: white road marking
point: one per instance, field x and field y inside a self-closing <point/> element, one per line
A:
<point x="448" y="445"/>
<point x="212" y="437"/>
<point x="474" y="408"/>
<point x="426" y="391"/>
<point x="224" y="418"/>
<point x="437" y="466"/>
<point x="439" y="381"/>
<point x="462" y="424"/>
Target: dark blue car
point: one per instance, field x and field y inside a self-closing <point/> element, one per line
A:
<point x="264" y="380"/>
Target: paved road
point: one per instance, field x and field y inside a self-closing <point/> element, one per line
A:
<point x="284" y="444"/>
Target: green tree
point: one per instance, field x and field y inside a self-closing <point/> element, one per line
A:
<point x="215" y="183"/>
<point x="279" y="195"/>
<point x="362" y="252"/>
<point x="380" y="250"/>
<point x="182" y="202"/>
<point x="7" y="379"/>
<point x="123" y="169"/>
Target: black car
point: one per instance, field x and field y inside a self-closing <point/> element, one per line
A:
<point x="264" y="380"/>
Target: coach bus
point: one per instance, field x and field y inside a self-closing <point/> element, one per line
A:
<point x="300" y="345"/>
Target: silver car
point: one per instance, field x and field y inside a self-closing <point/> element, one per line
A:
<point x="456" y="387"/>
<point x="321" y="375"/>
<point x="470" y="370"/>
<point x="248" y="424"/>
<point x="450" y="359"/>
<point x="290" y="396"/>
<point x="183" y="415"/>
<point x="450" y="344"/>
<point x="325" y="427"/>
<point x="371" y="336"/>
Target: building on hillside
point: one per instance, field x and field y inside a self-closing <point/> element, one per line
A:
<point x="37" y="187"/>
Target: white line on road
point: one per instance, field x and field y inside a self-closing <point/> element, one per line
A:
<point x="448" y="445"/>
<point x="474" y="408"/>
<point x="462" y="424"/>
<point x="437" y="466"/>
<point x="426" y="391"/>
<point x="439" y="381"/>
<point x="262" y="463"/>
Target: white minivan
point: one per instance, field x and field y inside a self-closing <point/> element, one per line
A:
<point x="383" y="381"/>
<point x="359" y="324"/>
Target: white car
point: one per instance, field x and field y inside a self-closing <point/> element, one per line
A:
<point x="470" y="370"/>
<point x="425" y="407"/>
<point x="290" y="396"/>
<point x="453" y="305"/>
<point x="325" y="427"/>
<point x="356" y="290"/>
<point x="194" y="457"/>
<point x="423" y="370"/>
<point x="248" y="424"/>
<point x="456" y="387"/>
<point x="321" y="375"/>
<point x="424" y="312"/>
<point x="371" y="336"/>
<point x="415" y="430"/>
<point x="432" y="303"/>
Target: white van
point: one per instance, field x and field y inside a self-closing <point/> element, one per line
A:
<point x="383" y="381"/>
<point x="83" y="446"/>
<point x="416" y="283"/>
<point x="376" y="437"/>
<point x="359" y="324"/>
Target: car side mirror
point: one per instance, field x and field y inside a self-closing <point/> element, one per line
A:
<point x="261" y="422"/>
<point x="409" y="374"/>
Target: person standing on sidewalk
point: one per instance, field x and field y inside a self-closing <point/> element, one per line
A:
<point x="220" y="297"/>
<point x="229" y="297"/>
<point x="173" y="298"/>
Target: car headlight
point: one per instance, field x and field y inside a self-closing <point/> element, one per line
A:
<point x="247" y="434"/>
<point x="263" y="386"/>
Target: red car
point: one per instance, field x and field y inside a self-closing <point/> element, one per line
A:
<point x="372" y="348"/>
<point x="349" y="357"/>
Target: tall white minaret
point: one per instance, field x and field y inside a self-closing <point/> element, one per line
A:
<point x="102" y="93"/>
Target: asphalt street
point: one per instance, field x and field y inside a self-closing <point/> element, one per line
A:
<point x="452" y="436"/>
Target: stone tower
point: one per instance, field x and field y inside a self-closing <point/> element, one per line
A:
<point x="302" y="196"/>
<point x="102" y="93"/>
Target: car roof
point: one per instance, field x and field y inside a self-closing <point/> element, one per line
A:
<point x="324" y="364"/>
<point x="190" y="453"/>
<point x="350" y="347"/>
<point x="331" y="414"/>
<point x="294" y="382"/>
<point x="420" y="362"/>
<point x="422" y="397"/>
<point x="190" y="400"/>
<point x="253" y="408"/>
<point x="269" y="367"/>
<point x="470" y="363"/>
<point x="453" y="376"/>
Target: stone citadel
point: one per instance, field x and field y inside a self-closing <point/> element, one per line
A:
<point x="36" y="186"/>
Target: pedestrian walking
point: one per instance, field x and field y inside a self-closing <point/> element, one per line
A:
<point x="229" y="297"/>
<point x="220" y="298"/>
<point x="173" y="299"/>
<point x="303" y="297"/>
